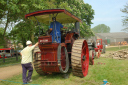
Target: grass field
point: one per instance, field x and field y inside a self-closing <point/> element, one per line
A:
<point x="9" y="61"/>
<point x="115" y="71"/>
<point x="116" y="48"/>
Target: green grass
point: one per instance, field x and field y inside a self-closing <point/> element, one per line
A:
<point x="115" y="71"/>
<point x="9" y="61"/>
<point x="116" y="48"/>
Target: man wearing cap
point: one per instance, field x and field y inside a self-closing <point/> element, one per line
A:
<point x="55" y="30"/>
<point x="26" y="54"/>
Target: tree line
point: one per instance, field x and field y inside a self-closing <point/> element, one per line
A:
<point x="102" y="28"/>
<point x="13" y="12"/>
<point x="15" y="27"/>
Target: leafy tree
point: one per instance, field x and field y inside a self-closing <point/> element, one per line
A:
<point x="101" y="28"/>
<point x="23" y="31"/>
<point x="27" y="30"/>
<point x="79" y="9"/>
<point x="125" y="20"/>
<point x="3" y="41"/>
<point x="14" y="10"/>
<point x="1" y="38"/>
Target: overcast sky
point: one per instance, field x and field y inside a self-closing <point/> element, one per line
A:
<point x="108" y="12"/>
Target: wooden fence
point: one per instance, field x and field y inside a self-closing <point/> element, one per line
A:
<point x="11" y="59"/>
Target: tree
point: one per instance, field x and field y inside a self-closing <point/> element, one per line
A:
<point x="23" y="31"/>
<point x="79" y="9"/>
<point x="19" y="8"/>
<point x="101" y="28"/>
<point x="125" y="20"/>
<point x="14" y="10"/>
<point x="3" y="40"/>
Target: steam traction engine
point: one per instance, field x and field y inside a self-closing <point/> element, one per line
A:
<point x="100" y="47"/>
<point x="91" y="46"/>
<point x="58" y="57"/>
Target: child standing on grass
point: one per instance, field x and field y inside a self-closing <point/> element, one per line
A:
<point x="26" y="61"/>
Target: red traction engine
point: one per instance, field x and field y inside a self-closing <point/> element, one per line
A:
<point x="100" y="47"/>
<point x="58" y="57"/>
<point x="54" y="56"/>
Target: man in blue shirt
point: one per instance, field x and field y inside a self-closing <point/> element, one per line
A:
<point x="56" y="26"/>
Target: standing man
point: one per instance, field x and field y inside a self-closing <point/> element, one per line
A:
<point x="26" y="61"/>
<point x="56" y="31"/>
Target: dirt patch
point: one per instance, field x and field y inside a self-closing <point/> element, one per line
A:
<point x="121" y="54"/>
<point x="10" y="71"/>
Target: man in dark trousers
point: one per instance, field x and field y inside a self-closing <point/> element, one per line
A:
<point x="26" y="61"/>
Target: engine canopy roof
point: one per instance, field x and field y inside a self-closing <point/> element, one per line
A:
<point x="45" y="16"/>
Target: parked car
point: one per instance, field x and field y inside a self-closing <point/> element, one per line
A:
<point x="8" y="52"/>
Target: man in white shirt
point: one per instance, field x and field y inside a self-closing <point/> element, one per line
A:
<point x="26" y="54"/>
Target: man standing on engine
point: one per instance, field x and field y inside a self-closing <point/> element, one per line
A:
<point x="55" y="30"/>
<point x="26" y="61"/>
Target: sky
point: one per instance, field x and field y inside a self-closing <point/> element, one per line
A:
<point x="108" y="12"/>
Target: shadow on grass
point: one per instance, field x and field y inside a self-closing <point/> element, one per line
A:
<point x="53" y="76"/>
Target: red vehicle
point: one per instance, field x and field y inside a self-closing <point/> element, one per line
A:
<point x="8" y="52"/>
<point x="100" y="47"/>
<point x="91" y="46"/>
<point x="58" y="57"/>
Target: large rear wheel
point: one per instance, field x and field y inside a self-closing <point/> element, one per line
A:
<point x="80" y="58"/>
<point x="37" y="63"/>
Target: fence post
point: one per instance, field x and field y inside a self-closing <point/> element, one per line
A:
<point x="16" y="56"/>
<point x="3" y="58"/>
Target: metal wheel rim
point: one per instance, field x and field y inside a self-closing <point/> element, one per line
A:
<point x="59" y="54"/>
<point x="85" y="63"/>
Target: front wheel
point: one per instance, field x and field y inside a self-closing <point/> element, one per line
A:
<point x="98" y="54"/>
<point x="91" y="57"/>
<point x="63" y="59"/>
